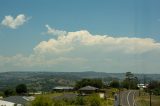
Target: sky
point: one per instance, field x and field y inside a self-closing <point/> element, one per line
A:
<point x="112" y="36"/>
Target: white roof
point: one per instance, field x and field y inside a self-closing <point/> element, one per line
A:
<point x="91" y="88"/>
<point x="6" y="103"/>
<point x="29" y="98"/>
<point x="63" y="87"/>
<point x="142" y="85"/>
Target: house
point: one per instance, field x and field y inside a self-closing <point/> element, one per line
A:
<point x="35" y="93"/>
<point x="88" y="90"/>
<point x="18" y="100"/>
<point x="6" y="103"/>
<point x="63" y="88"/>
<point x="142" y="86"/>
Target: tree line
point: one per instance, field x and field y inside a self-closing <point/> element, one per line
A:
<point x="20" y="89"/>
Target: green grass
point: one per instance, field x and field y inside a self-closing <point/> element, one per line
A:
<point x="87" y="99"/>
<point x="50" y="94"/>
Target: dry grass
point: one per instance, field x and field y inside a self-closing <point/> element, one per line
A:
<point x="145" y="101"/>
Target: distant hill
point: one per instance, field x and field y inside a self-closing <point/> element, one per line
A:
<point x="47" y="80"/>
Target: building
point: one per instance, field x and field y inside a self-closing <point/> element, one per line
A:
<point x="63" y="89"/>
<point x="142" y="86"/>
<point x="17" y="100"/>
<point x="88" y="90"/>
<point x="6" y="103"/>
<point x="35" y="93"/>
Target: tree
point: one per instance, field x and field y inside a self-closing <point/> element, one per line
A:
<point x="129" y="75"/>
<point x="21" y="89"/>
<point x="94" y="100"/>
<point x="9" y="92"/>
<point x="115" y="84"/>
<point x="42" y="101"/>
<point x="92" y="82"/>
<point x="154" y="86"/>
<point x="80" y="101"/>
<point x="130" y="82"/>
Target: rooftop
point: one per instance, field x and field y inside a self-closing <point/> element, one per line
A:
<point x="18" y="99"/>
<point x="90" y="88"/>
<point x="63" y="87"/>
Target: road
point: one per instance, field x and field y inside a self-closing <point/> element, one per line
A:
<point x="127" y="98"/>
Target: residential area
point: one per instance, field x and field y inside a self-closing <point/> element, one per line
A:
<point x="87" y="92"/>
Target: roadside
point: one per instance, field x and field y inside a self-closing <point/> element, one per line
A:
<point x="144" y="100"/>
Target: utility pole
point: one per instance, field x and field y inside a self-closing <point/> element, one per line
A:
<point x="144" y="79"/>
<point x="119" y="94"/>
<point x="150" y="97"/>
<point x="139" y="88"/>
<point x="150" y="94"/>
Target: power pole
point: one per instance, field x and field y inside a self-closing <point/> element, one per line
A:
<point x="150" y="95"/>
<point x="144" y="79"/>
<point x="119" y="95"/>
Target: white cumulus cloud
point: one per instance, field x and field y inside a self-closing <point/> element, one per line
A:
<point x="74" y="51"/>
<point x="53" y="31"/>
<point x="84" y="41"/>
<point x="13" y="23"/>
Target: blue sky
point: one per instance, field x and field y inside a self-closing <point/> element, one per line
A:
<point x="117" y="19"/>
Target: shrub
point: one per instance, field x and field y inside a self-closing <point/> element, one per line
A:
<point x="21" y="89"/>
<point x="94" y="100"/>
<point x="80" y="101"/>
<point x="42" y="101"/>
<point x="8" y="92"/>
<point x="60" y="103"/>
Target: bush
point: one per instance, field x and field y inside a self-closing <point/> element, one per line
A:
<point x="21" y="89"/>
<point x="94" y="100"/>
<point x="9" y="92"/>
<point x="156" y="91"/>
<point x="80" y="101"/>
<point x="92" y="82"/>
<point x="154" y="86"/>
<point x="60" y="103"/>
<point x="114" y="84"/>
<point x="43" y="101"/>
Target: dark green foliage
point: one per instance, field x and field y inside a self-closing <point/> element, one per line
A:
<point x="2" y="93"/>
<point x="21" y="89"/>
<point x="114" y="84"/>
<point x="154" y="86"/>
<point x="60" y="103"/>
<point x="80" y="101"/>
<point x="125" y="83"/>
<point x="129" y="75"/>
<point x="91" y="100"/>
<point x="42" y="101"/>
<point x="92" y="82"/>
<point x="94" y="100"/>
<point x="9" y="92"/>
<point x="156" y="91"/>
<point x="130" y="82"/>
